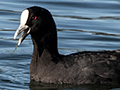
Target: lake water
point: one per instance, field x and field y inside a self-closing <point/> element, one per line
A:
<point x="83" y="25"/>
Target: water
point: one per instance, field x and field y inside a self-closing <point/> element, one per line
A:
<point x="83" y="25"/>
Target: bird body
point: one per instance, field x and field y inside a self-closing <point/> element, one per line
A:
<point x="81" y="68"/>
<point x="49" y="66"/>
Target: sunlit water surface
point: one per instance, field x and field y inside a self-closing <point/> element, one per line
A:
<point x="83" y="25"/>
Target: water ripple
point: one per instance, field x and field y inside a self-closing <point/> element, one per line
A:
<point x="82" y="25"/>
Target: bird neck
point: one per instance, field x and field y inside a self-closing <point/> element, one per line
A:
<point x="45" y="51"/>
<point x="45" y="44"/>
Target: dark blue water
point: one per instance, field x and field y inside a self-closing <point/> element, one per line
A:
<point x="83" y="25"/>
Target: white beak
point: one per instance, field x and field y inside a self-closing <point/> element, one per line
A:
<point x="23" y="28"/>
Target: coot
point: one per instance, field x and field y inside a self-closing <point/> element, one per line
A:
<point x="49" y="66"/>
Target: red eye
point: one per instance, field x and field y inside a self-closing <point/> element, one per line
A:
<point x="35" y="17"/>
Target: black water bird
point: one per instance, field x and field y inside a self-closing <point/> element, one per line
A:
<point x="49" y="66"/>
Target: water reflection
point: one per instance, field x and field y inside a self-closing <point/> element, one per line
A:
<point x="41" y="86"/>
